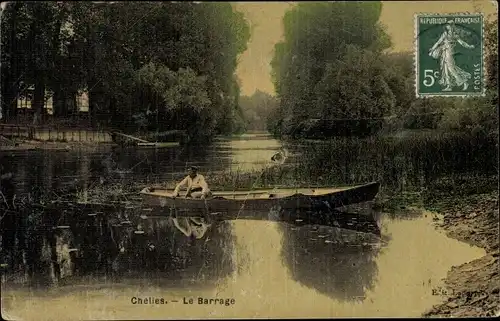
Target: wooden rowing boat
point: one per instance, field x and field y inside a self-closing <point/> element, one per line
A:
<point x="323" y="206"/>
<point x="348" y="207"/>
<point x="264" y="200"/>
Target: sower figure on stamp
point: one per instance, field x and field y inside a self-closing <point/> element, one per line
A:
<point x="196" y="186"/>
<point x="443" y="49"/>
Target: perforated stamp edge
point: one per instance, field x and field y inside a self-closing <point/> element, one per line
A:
<point x="415" y="54"/>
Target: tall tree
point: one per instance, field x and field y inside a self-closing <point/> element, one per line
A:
<point x="103" y="48"/>
<point x="317" y="35"/>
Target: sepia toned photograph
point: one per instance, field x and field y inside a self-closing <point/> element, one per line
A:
<point x="225" y="160"/>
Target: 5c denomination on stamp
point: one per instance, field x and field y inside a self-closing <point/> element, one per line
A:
<point x="449" y="55"/>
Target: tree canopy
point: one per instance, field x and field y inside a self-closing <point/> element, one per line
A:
<point x="321" y="41"/>
<point x="169" y="58"/>
<point x="333" y="77"/>
<point x="257" y="110"/>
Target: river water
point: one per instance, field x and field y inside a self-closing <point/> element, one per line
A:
<point x="268" y="269"/>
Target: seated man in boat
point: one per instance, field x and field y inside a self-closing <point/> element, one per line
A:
<point x="195" y="184"/>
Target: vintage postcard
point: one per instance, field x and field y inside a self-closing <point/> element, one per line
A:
<point x="220" y="160"/>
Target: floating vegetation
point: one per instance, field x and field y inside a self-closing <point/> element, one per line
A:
<point x="103" y="193"/>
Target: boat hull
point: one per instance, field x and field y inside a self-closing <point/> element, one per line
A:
<point x="350" y="208"/>
<point x="298" y="201"/>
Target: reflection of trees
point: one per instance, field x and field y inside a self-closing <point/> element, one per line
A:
<point x="162" y="249"/>
<point x="336" y="262"/>
<point x="92" y="245"/>
<point x="67" y="243"/>
<point x="114" y="244"/>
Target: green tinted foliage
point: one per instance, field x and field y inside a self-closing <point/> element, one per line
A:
<point x="176" y="90"/>
<point x="309" y="66"/>
<point x="122" y="52"/>
<point x="257" y="109"/>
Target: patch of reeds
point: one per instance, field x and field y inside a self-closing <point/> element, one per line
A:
<point x="107" y="192"/>
<point x="399" y="161"/>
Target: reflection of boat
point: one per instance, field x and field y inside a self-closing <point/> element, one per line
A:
<point x="322" y="206"/>
<point x="265" y="200"/>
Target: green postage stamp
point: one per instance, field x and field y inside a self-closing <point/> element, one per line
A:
<point x="449" y="55"/>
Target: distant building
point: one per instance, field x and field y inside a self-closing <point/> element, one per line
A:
<point x="25" y="100"/>
<point x="82" y="102"/>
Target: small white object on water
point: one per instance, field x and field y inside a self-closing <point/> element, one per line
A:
<point x="139" y="232"/>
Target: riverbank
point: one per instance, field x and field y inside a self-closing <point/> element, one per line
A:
<point x="472" y="289"/>
<point x="27" y="145"/>
<point x="467" y="211"/>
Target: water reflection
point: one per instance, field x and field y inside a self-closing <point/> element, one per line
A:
<point x="250" y="152"/>
<point x="279" y="271"/>
<point x="336" y="262"/>
<point x="66" y="246"/>
<point x="41" y="172"/>
<point x="271" y="269"/>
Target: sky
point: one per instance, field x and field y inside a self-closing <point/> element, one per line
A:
<point x="265" y="21"/>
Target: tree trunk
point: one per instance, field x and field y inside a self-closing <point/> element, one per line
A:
<point x="93" y="105"/>
<point x="8" y="99"/>
<point x="57" y="102"/>
<point x="10" y="72"/>
<point x="39" y="98"/>
<point x="56" y="64"/>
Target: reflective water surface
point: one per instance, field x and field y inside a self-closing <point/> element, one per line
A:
<point x="279" y="271"/>
<point x="149" y="269"/>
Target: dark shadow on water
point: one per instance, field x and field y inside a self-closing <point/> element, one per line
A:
<point x="335" y="262"/>
<point x="66" y="246"/>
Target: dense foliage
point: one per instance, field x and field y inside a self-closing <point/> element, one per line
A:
<point x="257" y="110"/>
<point x="333" y="77"/>
<point x="161" y="65"/>
<point x="318" y="65"/>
